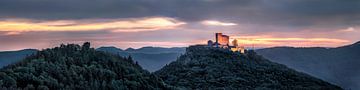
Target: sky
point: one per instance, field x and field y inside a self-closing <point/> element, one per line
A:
<point x="42" y="24"/>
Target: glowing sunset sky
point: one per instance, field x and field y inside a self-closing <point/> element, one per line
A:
<point x="177" y="23"/>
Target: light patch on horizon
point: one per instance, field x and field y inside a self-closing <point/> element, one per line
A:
<point x="12" y="33"/>
<point x="139" y="44"/>
<point x="118" y="25"/>
<point x="217" y="23"/>
<point x="295" y="42"/>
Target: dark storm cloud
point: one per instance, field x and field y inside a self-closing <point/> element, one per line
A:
<point x="268" y="12"/>
<point x="290" y="13"/>
<point x="73" y="9"/>
<point x="69" y="9"/>
<point x="331" y="12"/>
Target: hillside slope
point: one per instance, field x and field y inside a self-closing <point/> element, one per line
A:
<point x="337" y="65"/>
<point x="212" y="68"/>
<point x="77" y="67"/>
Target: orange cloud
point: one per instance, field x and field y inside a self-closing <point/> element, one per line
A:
<point x="124" y="25"/>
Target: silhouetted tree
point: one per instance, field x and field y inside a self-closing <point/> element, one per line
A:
<point x="130" y="58"/>
<point x="86" y="46"/>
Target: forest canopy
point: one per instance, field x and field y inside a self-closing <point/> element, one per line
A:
<point x="73" y="66"/>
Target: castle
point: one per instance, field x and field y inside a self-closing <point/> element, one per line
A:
<point x="222" y="41"/>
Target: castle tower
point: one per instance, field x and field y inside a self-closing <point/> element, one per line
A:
<point x="235" y="43"/>
<point x="222" y="40"/>
<point x="217" y="39"/>
<point x="210" y="43"/>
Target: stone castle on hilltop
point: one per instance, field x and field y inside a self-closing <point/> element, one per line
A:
<point x="222" y="41"/>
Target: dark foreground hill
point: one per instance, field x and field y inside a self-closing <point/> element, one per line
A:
<point x="337" y="65"/>
<point x="212" y="68"/>
<point x="8" y="57"/>
<point x="77" y="67"/>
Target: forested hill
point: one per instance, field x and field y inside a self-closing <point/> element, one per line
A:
<point x="77" y="67"/>
<point x="204" y="67"/>
<point x="338" y="65"/>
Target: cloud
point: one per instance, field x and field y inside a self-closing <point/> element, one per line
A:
<point x="293" y="14"/>
<point x="349" y="29"/>
<point x="217" y="23"/>
<point x="118" y="25"/>
<point x="118" y="20"/>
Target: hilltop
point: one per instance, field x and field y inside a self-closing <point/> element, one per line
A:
<point x="204" y="67"/>
<point x="77" y="67"/>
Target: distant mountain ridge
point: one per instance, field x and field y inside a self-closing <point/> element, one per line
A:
<point x="151" y="58"/>
<point x="146" y="50"/>
<point x="204" y="67"/>
<point x="156" y="50"/>
<point x="338" y="65"/>
<point x="8" y="57"/>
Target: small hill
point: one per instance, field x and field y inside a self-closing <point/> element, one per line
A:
<point x="338" y="65"/>
<point x="77" y="67"/>
<point x="204" y="67"/>
<point x="150" y="58"/>
<point x="8" y="57"/>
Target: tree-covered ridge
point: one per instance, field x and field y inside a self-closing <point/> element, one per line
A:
<point x="77" y="67"/>
<point x="338" y="65"/>
<point x="204" y="67"/>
